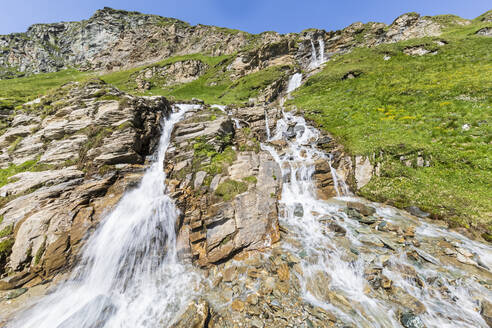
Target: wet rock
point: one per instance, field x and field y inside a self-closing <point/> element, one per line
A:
<point x="383" y="226"/>
<point x="16" y="293"/>
<point x="195" y="316"/>
<point x="449" y="252"/>
<point x="335" y="227"/>
<point x="414" y="210"/>
<point x="371" y="240"/>
<point x="361" y="208"/>
<point x="465" y="260"/>
<point x="299" y="210"/>
<point x="290" y="133"/>
<point x="410" y="320"/>
<point x="368" y="220"/>
<point x="386" y="283"/>
<point x="388" y="243"/>
<point x="425" y="256"/>
<point x="252" y="299"/>
<point x="283" y="272"/>
<point x="299" y="129"/>
<point x="237" y="305"/>
<point x="229" y="274"/>
<point x="324" y="180"/>
<point x="281" y="143"/>
<point x="486" y="312"/>
<point x="323" y="140"/>
<point x="409" y="232"/>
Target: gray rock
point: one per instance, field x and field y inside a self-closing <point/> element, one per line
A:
<point x="361" y="208"/>
<point x="215" y="182"/>
<point x="414" y="210"/>
<point x="199" y="177"/>
<point x="299" y="210"/>
<point x="410" y="320"/>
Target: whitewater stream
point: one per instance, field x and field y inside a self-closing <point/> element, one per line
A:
<point x="446" y="295"/>
<point x="123" y="280"/>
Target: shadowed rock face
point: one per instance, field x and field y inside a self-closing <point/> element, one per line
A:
<point x="85" y="152"/>
<point x="115" y="39"/>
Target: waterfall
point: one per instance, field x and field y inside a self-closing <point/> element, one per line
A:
<point x="321" y="51"/>
<point x="323" y="253"/>
<point x="294" y="82"/>
<point x="317" y="60"/>
<point x="237" y="125"/>
<point x="129" y="274"/>
<point x="314" y="58"/>
<point x="222" y="108"/>
<point x="267" y="126"/>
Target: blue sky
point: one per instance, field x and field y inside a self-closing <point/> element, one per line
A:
<point x="250" y="15"/>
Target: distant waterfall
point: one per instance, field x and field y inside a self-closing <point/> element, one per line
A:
<point x="321" y="51"/>
<point x="314" y="57"/>
<point x="294" y="82"/>
<point x="317" y="59"/>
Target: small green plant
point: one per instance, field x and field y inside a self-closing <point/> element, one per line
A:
<point x="40" y="251"/>
<point x="13" y="146"/>
<point x="6" y="231"/>
<point x="5" y="249"/>
<point x="251" y="179"/>
<point x="230" y="189"/>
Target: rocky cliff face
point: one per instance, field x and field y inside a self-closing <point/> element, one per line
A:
<point x="113" y="39"/>
<point x="212" y="161"/>
<point x="79" y="157"/>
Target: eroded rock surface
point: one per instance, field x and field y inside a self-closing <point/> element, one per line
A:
<point x="86" y="145"/>
<point x="225" y="185"/>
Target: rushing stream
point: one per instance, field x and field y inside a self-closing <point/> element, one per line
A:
<point x="123" y="279"/>
<point x="446" y="295"/>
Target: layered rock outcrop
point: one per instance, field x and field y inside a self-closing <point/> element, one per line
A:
<point x="225" y="185"/>
<point x="79" y="149"/>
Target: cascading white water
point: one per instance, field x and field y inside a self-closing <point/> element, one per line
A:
<point x="129" y="275"/>
<point x="324" y="253"/>
<point x="317" y="60"/>
<point x="222" y="108"/>
<point x="321" y="51"/>
<point x="314" y="57"/>
<point x="237" y="125"/>
<point x="294" y="82"/>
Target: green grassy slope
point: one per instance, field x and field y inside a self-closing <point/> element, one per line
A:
<point x="436" y="105"/>
<point x="14" y="92"/>
<point x="214" y="87"/>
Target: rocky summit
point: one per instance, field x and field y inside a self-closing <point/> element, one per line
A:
<point x="159" y="174"/>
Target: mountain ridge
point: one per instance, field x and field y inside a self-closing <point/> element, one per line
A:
<point x="115" y="39"/>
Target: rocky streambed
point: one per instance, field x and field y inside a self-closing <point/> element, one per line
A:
<point x="266" y="233"/>
<point x="342" y="261"/>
